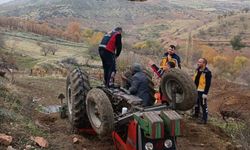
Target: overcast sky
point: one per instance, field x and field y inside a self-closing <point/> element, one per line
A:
<point x="4" y="1"/>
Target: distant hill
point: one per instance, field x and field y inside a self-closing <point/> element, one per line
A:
<point x="134" y="16"/>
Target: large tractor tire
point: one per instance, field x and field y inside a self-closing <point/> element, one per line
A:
<point x="77" y="87"/>
<point x="179" y="81"/>
<point x="127" y="78"/>
<point x="100" y="112"/>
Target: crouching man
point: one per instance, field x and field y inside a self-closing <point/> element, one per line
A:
<point x="140" y="85"/>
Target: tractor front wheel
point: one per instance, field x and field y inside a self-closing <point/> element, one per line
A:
<point x="100" y="112"/>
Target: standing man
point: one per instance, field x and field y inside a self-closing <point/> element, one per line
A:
<point x="202" y="79"/>
<point x="110" y="49"/>
<point x="170" y="56"/>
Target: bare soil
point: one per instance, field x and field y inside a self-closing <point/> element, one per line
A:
<point x="35" y="91"/>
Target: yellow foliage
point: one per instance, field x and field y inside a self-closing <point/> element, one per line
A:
<point x="140" y="45"/>
<point x="223" y="64"/>
<point x="208" y="52"/>
<point x="96" y="38"/>
<point x="220" y="59"/>
<point x="147" y="45"/>
<point x="87" y="33"/>
<point x="240" y="62"/>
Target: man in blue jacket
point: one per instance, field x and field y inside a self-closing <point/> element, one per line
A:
<point x="140" y="85"/>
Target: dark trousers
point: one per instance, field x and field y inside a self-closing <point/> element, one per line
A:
<point x="203" y="104"/>
<point x="108" y="63"/>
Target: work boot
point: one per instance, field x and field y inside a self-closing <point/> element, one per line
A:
<point x="195" y="116"/>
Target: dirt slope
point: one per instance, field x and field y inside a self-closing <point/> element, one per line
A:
<point x="44" y="91"/>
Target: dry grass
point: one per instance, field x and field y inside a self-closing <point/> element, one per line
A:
<point x="30" y="48"/>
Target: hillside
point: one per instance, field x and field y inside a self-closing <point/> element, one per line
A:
<point x="24" y="104"/>
<point x="106" y="14"/>
<point x="29" y="104"/>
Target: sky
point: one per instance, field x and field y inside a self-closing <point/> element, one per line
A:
<point x="4" y="1"/>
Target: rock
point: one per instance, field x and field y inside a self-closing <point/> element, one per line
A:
<point x="28" y="147"/>
<point x="5" y="139"/>
<point x="75" y="140"/>
<point x="10" y="148"/>
<point x="229" y="146"/>
<point x="40" y="141"/>
<point x="238" y="147"/>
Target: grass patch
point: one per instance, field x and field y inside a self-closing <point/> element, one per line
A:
<point x="239" y="131"/>
<point x="33" y="130"/>
<point x="25" y="62"/>
<point x="231" y="128"/>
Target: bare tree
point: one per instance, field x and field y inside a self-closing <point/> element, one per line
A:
<point x="44" y="50"/>
<point x="52" y="49"/>
<point x="8" y="64"/>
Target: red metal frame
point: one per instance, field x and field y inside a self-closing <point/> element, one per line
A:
<point x="131" y="141"/>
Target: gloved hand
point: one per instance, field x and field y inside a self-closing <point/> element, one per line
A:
<point x="204" y="96"/>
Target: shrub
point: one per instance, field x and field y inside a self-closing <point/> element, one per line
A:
<point x="87" y="33"/>
<point x="240" y="62"/>
<point x="93" y="51"/>
<point x="45" y="49"/>
<point x="222" y="65"/>
<point x="96" y="38"/>
<point x="127" y="59"/>
<point x="148" y="47"/>
<point x="245" y="75"/>
<point x="236" y="42"/>
<point x="1" y="41"/>
<point x="69" y="61"/>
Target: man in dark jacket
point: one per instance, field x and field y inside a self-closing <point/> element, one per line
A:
<point x="202" y="79"/>
<point x="110" y="49"/>
<point x="139" y="85"/>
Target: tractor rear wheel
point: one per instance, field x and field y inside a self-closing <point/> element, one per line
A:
<point x="100" y="112"/>
<point x="77" y="87"/>
<point x="184" y="87"/>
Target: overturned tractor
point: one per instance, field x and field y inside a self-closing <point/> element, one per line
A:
<point x="113" y="111"/>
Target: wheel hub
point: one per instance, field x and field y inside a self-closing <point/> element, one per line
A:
<point x="94" y="114"/>
<point x="173" y="86"/>
<point x="69" y="101"/>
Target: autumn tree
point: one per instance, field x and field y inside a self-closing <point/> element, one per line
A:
<point x="96" y="38"/>
<point x="73" y="31"/>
